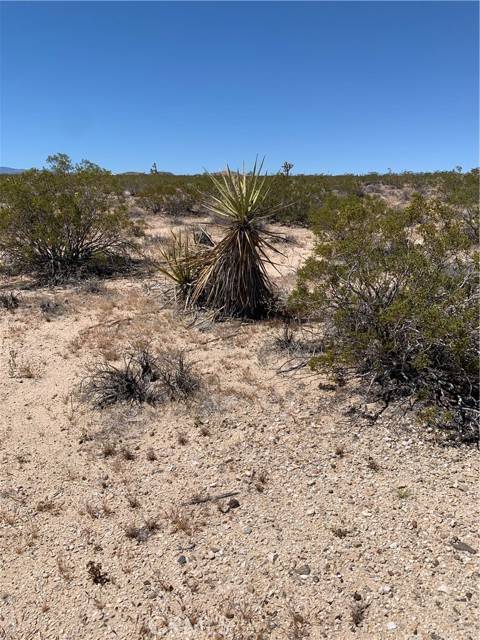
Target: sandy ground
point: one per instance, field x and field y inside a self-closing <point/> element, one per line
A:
<point x="339" y="527"/>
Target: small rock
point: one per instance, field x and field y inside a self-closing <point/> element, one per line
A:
<point x="442" y="588"/>
<point x="391" y="626"/>
<point x="310" y="512"/>
<point x="182" y="560"/>
<point x="233" y="503"/>
<point x="304" y="570"/>
<point x="272" y="557"/>
<point x="247" y="530"/>
<point x="385" y="588"/>
<point x="462" y="546"/>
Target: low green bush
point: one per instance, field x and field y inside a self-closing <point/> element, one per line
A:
<point x="169" y="199"/>
<point x="61" y="222"/>
<point x="397" y="291"/>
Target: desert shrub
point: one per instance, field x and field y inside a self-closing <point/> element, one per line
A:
<point x="58" y="223"/>
<point x="51" y="308"/>
<point x="292" y="197"/>
<point x="162" y="197"/>
<point x="152" y="202"/>
<point x="462" y="192"/>
<point x="397" y="291"/>
<point x="9" y="300"/>
<point x="142" y="378"/>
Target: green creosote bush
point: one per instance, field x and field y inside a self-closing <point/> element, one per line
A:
<point x="170" y="200"/>
<point x="397" y="291"/>
<point x="63" y="221"/>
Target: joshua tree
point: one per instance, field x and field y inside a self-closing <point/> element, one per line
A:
<point x="286" y="168"/>
<point x="154" y="169"/>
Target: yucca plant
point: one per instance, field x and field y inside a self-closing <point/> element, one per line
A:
<point x="181" y="264"/>
<point x="232" y="276"/>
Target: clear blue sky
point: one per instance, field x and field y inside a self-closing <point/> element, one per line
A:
<point x="332" y="87"/>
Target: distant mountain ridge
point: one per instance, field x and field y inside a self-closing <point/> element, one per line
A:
<point x="10" y="170"/>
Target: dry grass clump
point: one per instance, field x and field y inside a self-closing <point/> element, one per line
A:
<point x="95" y="573"/>
<point x="142" y="533"/>
<point x="142" y="378"/>
<point x="180" y="520"/>
<point x="357" y="613"/>
<point x="64" y="567"/>
<point x="51" y="308"/>
<point x="176" y="375"/>
<point x="9" y="301"/>
<point x="151" y="455"/>
<point x="17" y="369"/>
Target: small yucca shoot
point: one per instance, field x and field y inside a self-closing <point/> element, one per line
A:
<point x="180" y="265"/>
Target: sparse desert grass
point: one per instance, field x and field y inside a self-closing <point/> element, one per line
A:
<point x="48" y="505"/>
<point x="357" y="613"/>
<point x="141" y="533"/>
<point x="65" y="568"/>
<point x="133" y="501"/>
<point x="19" y="368"/>
<point x="143" y="378"/>
<point x="340" y="532"/>
<point x="93" y="286"/>
<point x="127" y="453"/>
<point x="151" y="455"/>
<point x="8" y="517"/>
<point x="182" y="438"/>
<point x="180" y="520"/>
<point x="108" y="449"/>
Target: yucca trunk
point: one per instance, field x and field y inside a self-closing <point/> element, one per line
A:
<point x="233" y="279"/>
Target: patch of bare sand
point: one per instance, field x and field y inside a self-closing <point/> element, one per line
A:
<point x="338" y="528"/>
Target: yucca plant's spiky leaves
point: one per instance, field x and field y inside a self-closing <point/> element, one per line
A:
<point x="233" y="276"/>
<point x="181" y="264"/>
